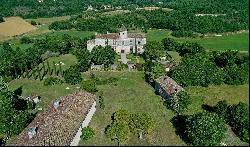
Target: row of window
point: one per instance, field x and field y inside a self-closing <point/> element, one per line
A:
<point x="115" y="42"/>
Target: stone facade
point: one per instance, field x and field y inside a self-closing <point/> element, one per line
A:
<point x="122" y="42"/>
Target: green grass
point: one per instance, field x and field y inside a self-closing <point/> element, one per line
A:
<point x="233" y="94"/>
<point x="211" y="95"/>
<point x="49" y="20"/>
<point x="134" y="94"/>
<point x="157" y="35"/>
<point x="175" y="55"/>
<point x="48" y="93"/>
<point x="67" y="59"/>
<point x="73" y="33"/>
<point x="232" y="41"/>
<point x="135" y="59"/>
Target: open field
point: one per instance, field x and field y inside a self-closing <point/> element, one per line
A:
<point x="15" y="26"/>
<point x="232" y="41"/>
<point x="49" y="20"/>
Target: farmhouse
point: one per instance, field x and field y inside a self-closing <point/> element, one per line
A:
<point x="166" y="86"/>
<point x="59" y="123"/>
<point x="122" y="42"/>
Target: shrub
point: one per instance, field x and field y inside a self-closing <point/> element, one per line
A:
<point x="122" y="66"/>
<point x="238" y="119"/>
<point x="48" y="54"/>
<point x="52" y="81"/>
<point x="205" y="129"/>
<point x="101" y="100"/>
<point x="72" y="76"/>
<point x="87" y="133"/>
<point x="179" y="102"/>
<point x="139" y="66"/>
<point x="32" y="22"/>
<point x="26" y="40"/>
<point x="89" y="86"/>
<point x="221" y="108"/>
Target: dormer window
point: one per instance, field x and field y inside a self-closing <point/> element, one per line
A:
<point x="32" y="131"/>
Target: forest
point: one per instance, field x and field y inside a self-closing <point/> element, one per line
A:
<point x="183" y="21"/>
<point x="48" y="8"/>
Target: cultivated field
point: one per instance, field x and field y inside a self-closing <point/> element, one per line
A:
<point x="14" y="26"/>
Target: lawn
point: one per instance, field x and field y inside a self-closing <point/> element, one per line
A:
<point x="231" y="41"/>
<point x="233" y="94"/>
<point x="134" y="94"/>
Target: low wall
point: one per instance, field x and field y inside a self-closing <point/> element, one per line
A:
<point x="85" y="123"/>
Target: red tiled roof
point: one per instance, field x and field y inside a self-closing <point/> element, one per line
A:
<point x="57" y="127"/>
<point x="108" y="36"/>
<point x="169" y="85"/>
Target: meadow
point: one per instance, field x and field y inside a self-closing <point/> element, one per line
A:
<point x="230" y="41"/>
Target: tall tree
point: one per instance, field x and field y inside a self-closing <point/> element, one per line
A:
<point x="201" y="125"/>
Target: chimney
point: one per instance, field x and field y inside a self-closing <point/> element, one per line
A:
<point x="32" y="131"/>
<point x="57" y="104"/>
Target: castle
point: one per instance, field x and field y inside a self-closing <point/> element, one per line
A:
<point x="122" y="42"/>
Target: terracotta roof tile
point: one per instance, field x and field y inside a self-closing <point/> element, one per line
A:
<point x="169" y="85"/>
<point x="57" y="127"/>
<point x="108" y="36"/>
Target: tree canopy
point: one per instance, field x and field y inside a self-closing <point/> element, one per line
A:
<point x="201" y="125"/>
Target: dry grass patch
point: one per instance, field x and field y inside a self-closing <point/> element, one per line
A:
<point x="14" y="26"/>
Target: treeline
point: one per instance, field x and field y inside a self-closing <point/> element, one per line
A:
<point x="209" y="6"/>
<point x="201" y="68"/>
<point x="48" y="8"/>
<point x="14" y="62"/>
<point x="182" y="23"/>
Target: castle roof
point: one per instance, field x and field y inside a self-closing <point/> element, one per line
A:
<point x="58" y="123"/>
<point x="108" y="36"/>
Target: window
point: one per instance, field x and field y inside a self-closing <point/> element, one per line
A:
<point x="122" y="42"/>
<point x="131" y="49"/>
<point x="139" y="42"/>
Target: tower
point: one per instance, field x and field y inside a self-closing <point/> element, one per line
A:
<point x="123" y="32"/>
